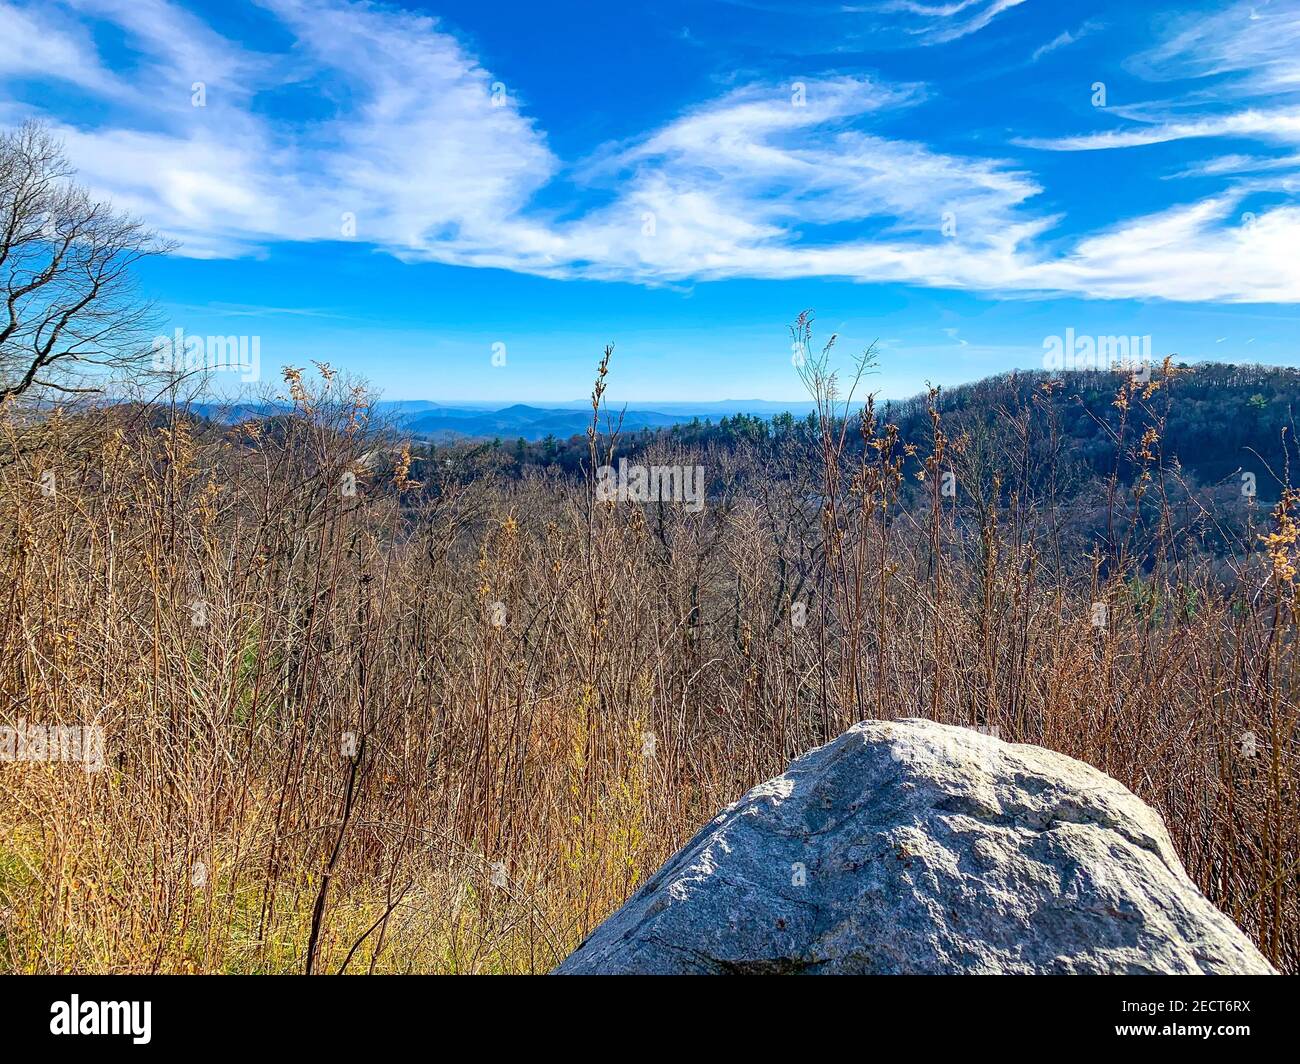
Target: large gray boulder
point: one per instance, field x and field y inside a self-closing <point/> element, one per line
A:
<point x="914" y="847"/>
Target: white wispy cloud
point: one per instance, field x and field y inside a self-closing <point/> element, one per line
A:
<point x="1251" y="51"/>
<point x="407" y="139"/>
<point x="1064" y="40"/>
<point x="1255" y="43"/>
<point x="941" y="23"/>
<point x="45" y="43"/>
<point x="1214" y="249"/>
<point x="742" y="178"/>
<point x="1281" y="124"/>
<point x="1240" y="164"/>
<point x="1207" y="251"/>
<point x="386" y="117"/>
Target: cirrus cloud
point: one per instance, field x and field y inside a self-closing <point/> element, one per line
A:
<point x="385" y="117"/>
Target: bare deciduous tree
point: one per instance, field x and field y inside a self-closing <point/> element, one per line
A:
<point x="71" y="313"/>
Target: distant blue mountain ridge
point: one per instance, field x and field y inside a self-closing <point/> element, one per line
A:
<point x="424" y="418"/>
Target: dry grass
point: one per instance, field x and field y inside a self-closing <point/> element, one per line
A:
<point x="508" y="785"/>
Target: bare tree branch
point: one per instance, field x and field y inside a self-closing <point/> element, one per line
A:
<point x="69" y="310"/>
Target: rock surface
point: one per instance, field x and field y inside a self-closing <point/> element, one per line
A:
<point x="914" y="847"/>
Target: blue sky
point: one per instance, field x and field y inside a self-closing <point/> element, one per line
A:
<point x="398" y="189"/>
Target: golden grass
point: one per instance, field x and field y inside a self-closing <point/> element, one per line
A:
<point x="349" y="765"/>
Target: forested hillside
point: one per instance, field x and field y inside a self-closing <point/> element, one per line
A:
<point x="1094" y="454"/>
<point x="1218" y="419"/>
